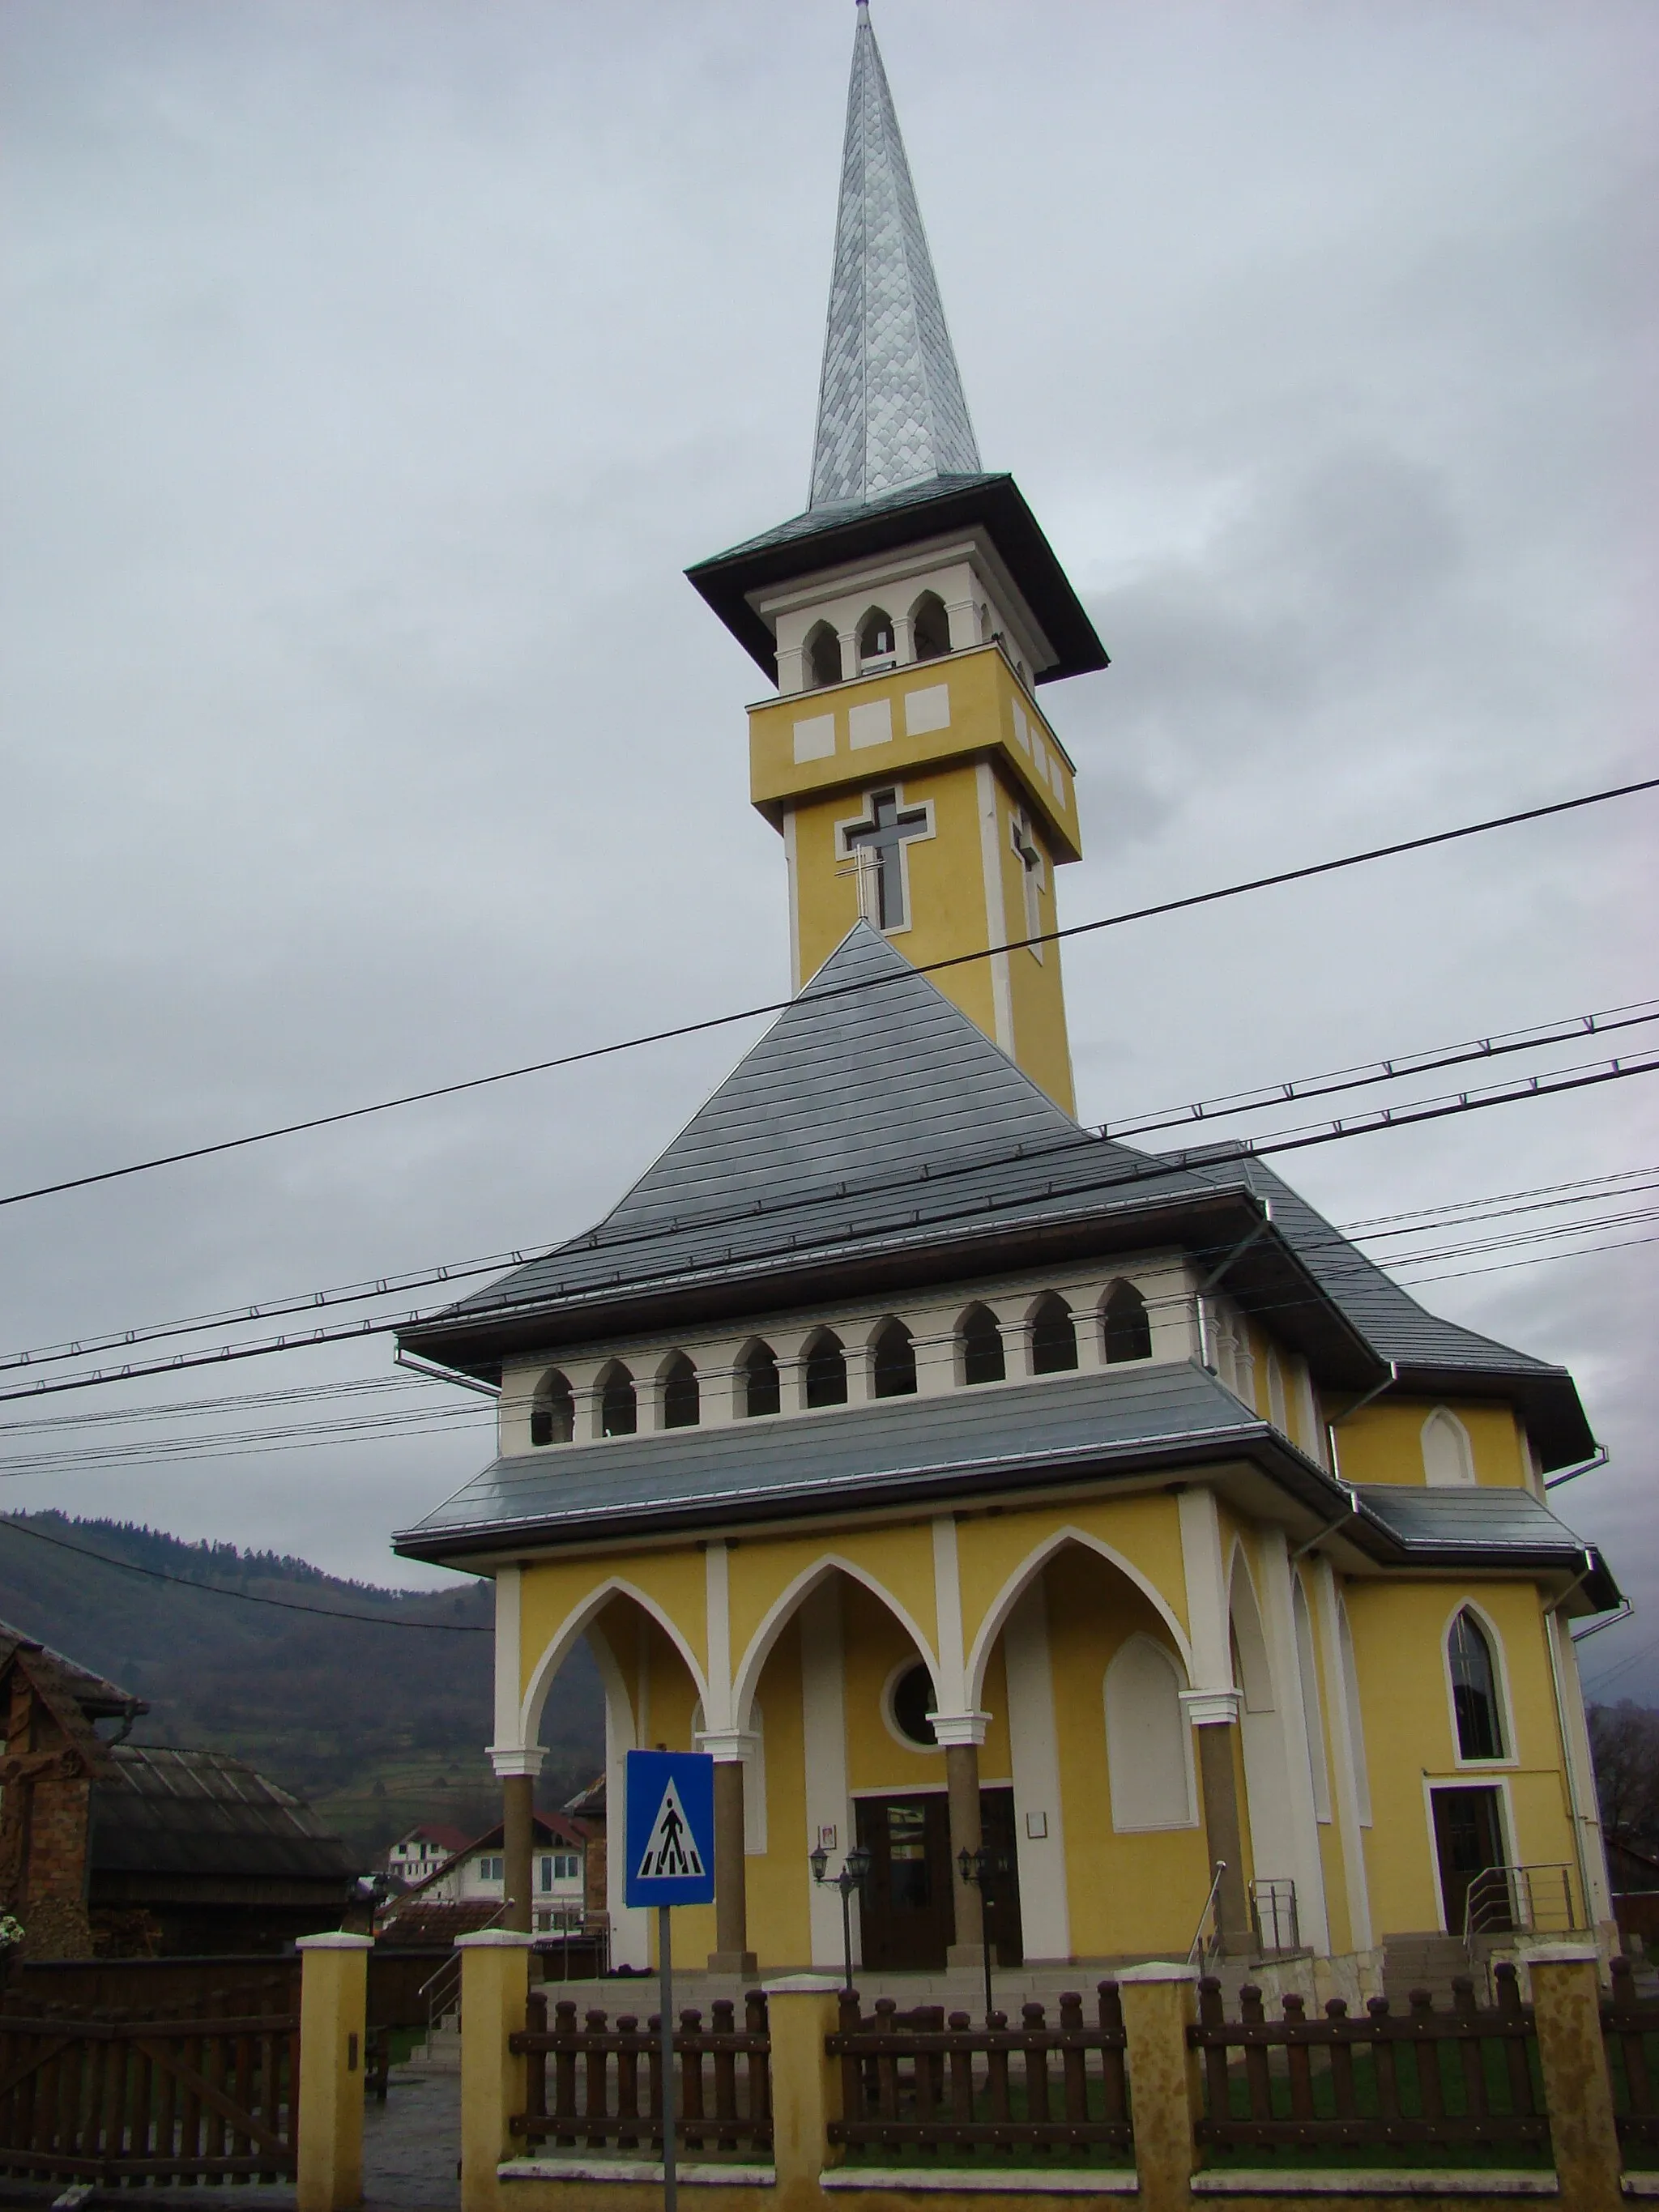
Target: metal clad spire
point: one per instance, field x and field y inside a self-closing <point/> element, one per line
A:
<point x="890" y="408"/>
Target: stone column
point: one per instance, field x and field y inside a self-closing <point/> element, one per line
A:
<point x="962" y="1735"/>
<point x="731" y="1953"/>
<point x="1214" y="1714"/>
<point x="517" y="1769"/>
<point x="1566" y="2003"/>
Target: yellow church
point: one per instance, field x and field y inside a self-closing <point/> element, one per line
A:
<point x="964" y="1481"/>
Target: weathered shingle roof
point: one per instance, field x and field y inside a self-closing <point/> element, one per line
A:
<point x="97" y="1698"/>
<point x="160" y="1810"/>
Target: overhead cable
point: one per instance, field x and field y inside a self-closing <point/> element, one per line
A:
<point x="778" y="1005"/>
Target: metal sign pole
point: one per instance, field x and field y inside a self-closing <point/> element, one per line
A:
<point x="665" y="1966"/>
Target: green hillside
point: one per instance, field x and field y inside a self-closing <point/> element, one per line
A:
<point x="378" y="1727"/>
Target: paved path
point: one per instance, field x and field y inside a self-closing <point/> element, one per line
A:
<point x="412" y="2143"/>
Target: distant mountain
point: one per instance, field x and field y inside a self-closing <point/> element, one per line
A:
<point x="378" y="1727"/>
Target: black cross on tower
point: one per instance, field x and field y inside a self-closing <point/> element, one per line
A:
<point x="883" y="837"/>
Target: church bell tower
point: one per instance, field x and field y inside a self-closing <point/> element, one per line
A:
<point x="908" y="619"/>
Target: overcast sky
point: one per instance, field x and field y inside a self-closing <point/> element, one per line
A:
<point x="371" y="374"/>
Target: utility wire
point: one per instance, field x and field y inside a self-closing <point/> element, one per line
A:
<point x="243" y="1597"/>
<point x="778" y="1005"/>
<point x="389" y="1285"/>
<point x="1155" y="1168"/>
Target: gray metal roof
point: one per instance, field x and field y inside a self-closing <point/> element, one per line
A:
<point x="874" y="1117"/>
<point x="1119" y="1421"/>
<point x="161" y="1810"/>
<point x="890" y="405"/>
<point x="862" y="1455"/>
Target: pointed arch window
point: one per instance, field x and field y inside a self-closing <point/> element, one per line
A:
<point x="682" y="1395"/>
<point x="875" y="640"/>
<point x="983" y="1359"/>
<point x="553" y="1415"/>
<point x="1053" y="1336"/>
<point x="826" y="1369"/>
<point x="1474" y="1689"/>
<point x="619" y="1405"/>
<point x="930" y="627"/>
<point x="1128" y="1326"/>
<point x="1447" y="1459"/>
<point x="894" y="1363"/>
<point x="823" y="657"/>
<point x="1149" y="1758"/>
<point x="762" y="1391"/>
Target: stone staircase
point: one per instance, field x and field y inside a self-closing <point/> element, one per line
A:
<point x="1428" y="1961"/>
<point x="442" y="2052"/>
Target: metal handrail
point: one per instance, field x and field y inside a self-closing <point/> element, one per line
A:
<point x="442" y="1987"/>
<point x="1505" y="1900"/>
<point x="1198" y="1950"/>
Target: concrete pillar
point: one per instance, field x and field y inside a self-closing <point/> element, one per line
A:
<point x="1158" y="2002"/>
<point x="495" y="1993"/>
<point x="333" y="2022"/>
<point x="518" y="1778"/>
<point x="1577" y="2092"/>
<point x="731" y="1953"/>
<point x="961" y="1781"/>
<point x="802" y="2009"/>
<point x="1214" y="1715"/>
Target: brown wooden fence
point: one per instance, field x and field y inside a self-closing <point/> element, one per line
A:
<point x="1632" y="2031"/>
<point x="606" y="2082"/>
<point x="917" y="2080"/>
<point x="1465" y="2075"/>
<point x="122" y="2100"/>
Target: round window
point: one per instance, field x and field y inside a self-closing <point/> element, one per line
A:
<point x="912" y="1695"/>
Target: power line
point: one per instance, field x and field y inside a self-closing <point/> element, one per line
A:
<point x="778" y="1005"/>
<point x="1157" y="1168"/>
<point x="1440" y="1056"/>
<point x="243" y="1597"/>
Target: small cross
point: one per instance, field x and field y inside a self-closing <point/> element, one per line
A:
<point x="883" y="836"/>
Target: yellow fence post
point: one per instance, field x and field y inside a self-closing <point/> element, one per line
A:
<point x="333" y="2021"/>
<point x="1158" y="2002"/>
<point x="801" y="2010"/>
<point x="1566" y="2004"/>
<point x="495" y="1992"/>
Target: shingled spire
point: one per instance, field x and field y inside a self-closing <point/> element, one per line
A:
<point x="890" y="408"/>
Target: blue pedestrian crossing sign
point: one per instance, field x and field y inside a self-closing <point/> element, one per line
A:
<point x="670" y="1828"/>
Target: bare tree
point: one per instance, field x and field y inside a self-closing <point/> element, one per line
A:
<point x="1625" y="1742"/>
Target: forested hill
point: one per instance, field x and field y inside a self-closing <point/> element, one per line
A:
<point x="378" y="1727"/>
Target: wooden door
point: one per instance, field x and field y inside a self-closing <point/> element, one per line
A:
<point x="908" y="1918"/>
<point x="1002" y="1921"/>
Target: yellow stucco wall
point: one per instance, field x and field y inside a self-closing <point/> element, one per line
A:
<point x="994" y="1551"/>
<point x="1383" y="1443"/>
<point x="1399" y="1633"/>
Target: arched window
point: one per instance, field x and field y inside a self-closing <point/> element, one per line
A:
<point x="1128" y="1326"/>
<point x="1053" y="1336"/>
<point x="823" y="657"/>
<point x="1148" y="1743"/>
<point x="876" y="639"/>
<point x="1474" y="1690"/>
<point x="1448" y="1461"/>
<point x="982" y="1356"/>
<point x="619" y="1407"/>
<point x="682" y="1398"/>
<point x="553" y="1415"/>
<point x="930" y="627"/>
<point x="895" y="1361"/>
<point x="826" y="1369"/>
<point x="761" y="1391"/>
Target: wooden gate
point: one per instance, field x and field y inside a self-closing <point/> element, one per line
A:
<point x="114" y="2098"/>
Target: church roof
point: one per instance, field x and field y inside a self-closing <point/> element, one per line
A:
<point x="876" y="1135"/>
<point x="1124" y="1422"/>
<point x="890" y="405"/>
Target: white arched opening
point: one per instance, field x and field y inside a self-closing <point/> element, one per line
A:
<point x="1027" y="1571"/>
<point x="1448" y="1455"/>
<point x="789" y="1601"/>
<point x="1149" y="1746"/>
<point x="575" y="1624"/>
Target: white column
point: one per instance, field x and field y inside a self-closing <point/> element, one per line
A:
<point x="1301" y="1825"/>
<point x="1038" y="1830"/>
<point x="630" y="1944"/>
<point x="1345" y="1770"/>
<point x="509" y="1660"/>
<point x="848" y="641"/>
<point x="1206" y="1589"/>
<point x="830" y="1818"/>
<point x="951" y="1687"/>
<point x="1581" y="1771"/>
<point x="718" y="1717"/>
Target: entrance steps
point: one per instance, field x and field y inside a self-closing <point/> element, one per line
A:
<point x="442" y="2052"/>
<point x="1425" y="1961"/>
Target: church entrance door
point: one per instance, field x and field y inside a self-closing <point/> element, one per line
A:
<point x="907" y="1917"/>
<point x="1002" y="1925"/>
<point x="1469" y="1838"/>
